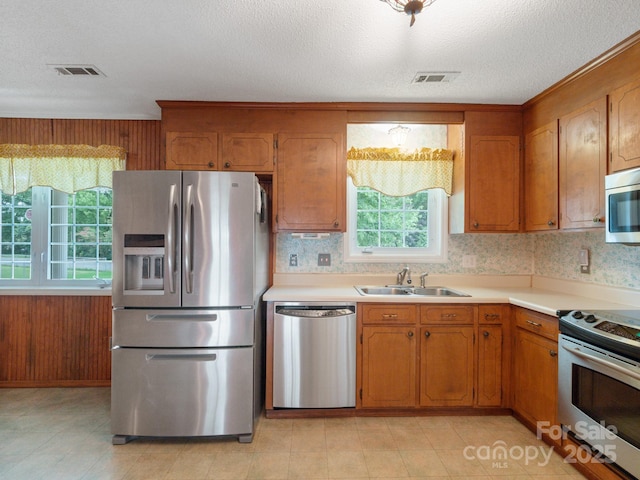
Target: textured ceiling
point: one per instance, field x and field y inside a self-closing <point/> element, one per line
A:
<point x="292" y="51"/>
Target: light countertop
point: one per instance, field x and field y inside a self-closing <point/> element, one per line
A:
<point x="541" y="294"/>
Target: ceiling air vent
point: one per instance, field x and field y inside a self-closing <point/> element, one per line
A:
<point x="434" y="77"/>
<point x="78" y="70"/>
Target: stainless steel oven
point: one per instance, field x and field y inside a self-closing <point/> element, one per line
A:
<point x="622" y="207"/>
<point x="599" y="383"/>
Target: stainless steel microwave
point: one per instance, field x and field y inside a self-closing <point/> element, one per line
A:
<point x="622" y="207"/>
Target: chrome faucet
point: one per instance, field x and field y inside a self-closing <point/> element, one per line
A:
<point x="423" y="276"/>
<point x="402" y="274"/>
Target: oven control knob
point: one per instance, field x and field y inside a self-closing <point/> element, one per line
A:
<point x="577" y="314"/>
<point x="590" y="318"/>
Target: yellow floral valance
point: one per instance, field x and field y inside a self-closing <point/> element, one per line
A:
<point x="396" y="173"/>
<point x="67" y="168"/>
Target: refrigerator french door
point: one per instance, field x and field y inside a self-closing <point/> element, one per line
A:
<point x="190" y="265"/>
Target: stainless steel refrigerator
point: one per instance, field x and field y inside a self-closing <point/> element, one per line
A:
<point x="190" y="264"/>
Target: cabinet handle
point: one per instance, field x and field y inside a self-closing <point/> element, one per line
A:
<point x="227" y="165"/>
<point x="427" y="334"/>
<point x="211" y="164"/>
<point x="449" y="315"/>
<point x="551" y="223"/>
<point x="336" y="224"/>
<point x="485" y="334"/>
<point x="553" y="353"/>
<point x="410" y="334"/>
<point x="389" y="315"/>
<point x="534" y="323"/>
<point x="597" y="219"/>
<point x="491" y="316"/>
<point x="476" y="224"/>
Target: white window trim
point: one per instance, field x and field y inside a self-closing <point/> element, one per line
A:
<point x="438" y="235"/>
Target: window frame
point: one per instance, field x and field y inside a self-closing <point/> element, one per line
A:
<point x="437" y="232"/>
<point x="40" y="262"/>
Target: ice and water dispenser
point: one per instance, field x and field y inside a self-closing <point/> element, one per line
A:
<point x="143" y="263"/>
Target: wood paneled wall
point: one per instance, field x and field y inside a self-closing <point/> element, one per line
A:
<point x="55" y="341"/>
<point x="60" y="340"/>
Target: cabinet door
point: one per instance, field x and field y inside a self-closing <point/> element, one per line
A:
<point x="446" y="366"/>
<point x="247" y="152"/>
<point x="535" y="377"/>
<point x="490" y="343"/>
<point x="494" y="184"/>
<point x="582" y="165"/>
<point x="541" y="178"/>
<point x="624" y="127"/>
<point x="388" y="367"/>
<point x="192" y="151"/>
<point x="311" y="182"/>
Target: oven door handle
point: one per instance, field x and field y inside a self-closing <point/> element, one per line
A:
<point x="606" y="363"/>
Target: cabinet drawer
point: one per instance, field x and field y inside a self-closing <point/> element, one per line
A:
<point x="493" y="314"/>
<point x="389" y="313"/>
<point x="447" y="314"/>
<point x="539" y="323"/>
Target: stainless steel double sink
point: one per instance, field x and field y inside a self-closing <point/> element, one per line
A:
<point x="408" y="290"/>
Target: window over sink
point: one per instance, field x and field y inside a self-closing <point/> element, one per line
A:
<point x="389" y="222"/>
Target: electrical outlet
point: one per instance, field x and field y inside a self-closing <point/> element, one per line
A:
<point x="469" y="261"/>
<point x="293" y="260"/>
<point x="324" y="259"/>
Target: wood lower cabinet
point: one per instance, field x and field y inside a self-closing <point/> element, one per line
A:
<point x="624" y="127"/>
<point x="583" y="165"/>
<point x="446" y="366"/>
<point x="541" y="178"/>
<point x="494" y="355"/>
<point x="426" y="356"/>
<point x="535" y="367"/>
<point x="494" y="184"/>
<point x="191" y="151"/>
<point x="311" y="182"/>
<point x="389" y="366"/>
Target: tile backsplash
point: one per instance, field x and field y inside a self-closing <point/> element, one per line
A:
<point x="551" y="254"/>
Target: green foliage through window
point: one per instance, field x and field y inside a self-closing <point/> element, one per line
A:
<point x="388" y="222"/>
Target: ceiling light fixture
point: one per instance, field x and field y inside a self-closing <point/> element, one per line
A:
<point x="399" y="134"/>
<point x="410" y="7"/>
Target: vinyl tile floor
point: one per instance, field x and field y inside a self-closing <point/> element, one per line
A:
<point x="64" y="433"/>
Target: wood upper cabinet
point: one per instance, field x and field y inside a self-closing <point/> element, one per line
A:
<point x="541" y="178"/>
<point x="191" y="151"/>
<point x="624" y="127"/>
<point x="494" y="184"/>
<point x="535" y="374"/>
<point x="446" y="366"/>
<point x="583" y="165"/>
<point x="247" y="152"/>
<point x="311" y="182"/>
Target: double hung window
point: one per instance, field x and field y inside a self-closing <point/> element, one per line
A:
<point x="58" y="235"/>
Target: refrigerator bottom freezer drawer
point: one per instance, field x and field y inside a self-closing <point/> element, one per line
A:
<point x="182" y="392"/>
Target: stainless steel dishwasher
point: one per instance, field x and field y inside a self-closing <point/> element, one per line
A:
<point x="314" y="355"/>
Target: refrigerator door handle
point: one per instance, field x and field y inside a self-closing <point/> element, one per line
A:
<point x="203" y="317"/>
<point x="171" y="238"/>
<point x="188" y="239"/>
<point x="194" y="357"/>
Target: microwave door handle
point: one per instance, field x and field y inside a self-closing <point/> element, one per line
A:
<point x="188" y="239"/>
<point x="171" y="238"/>
<point x="579" y="353"/>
